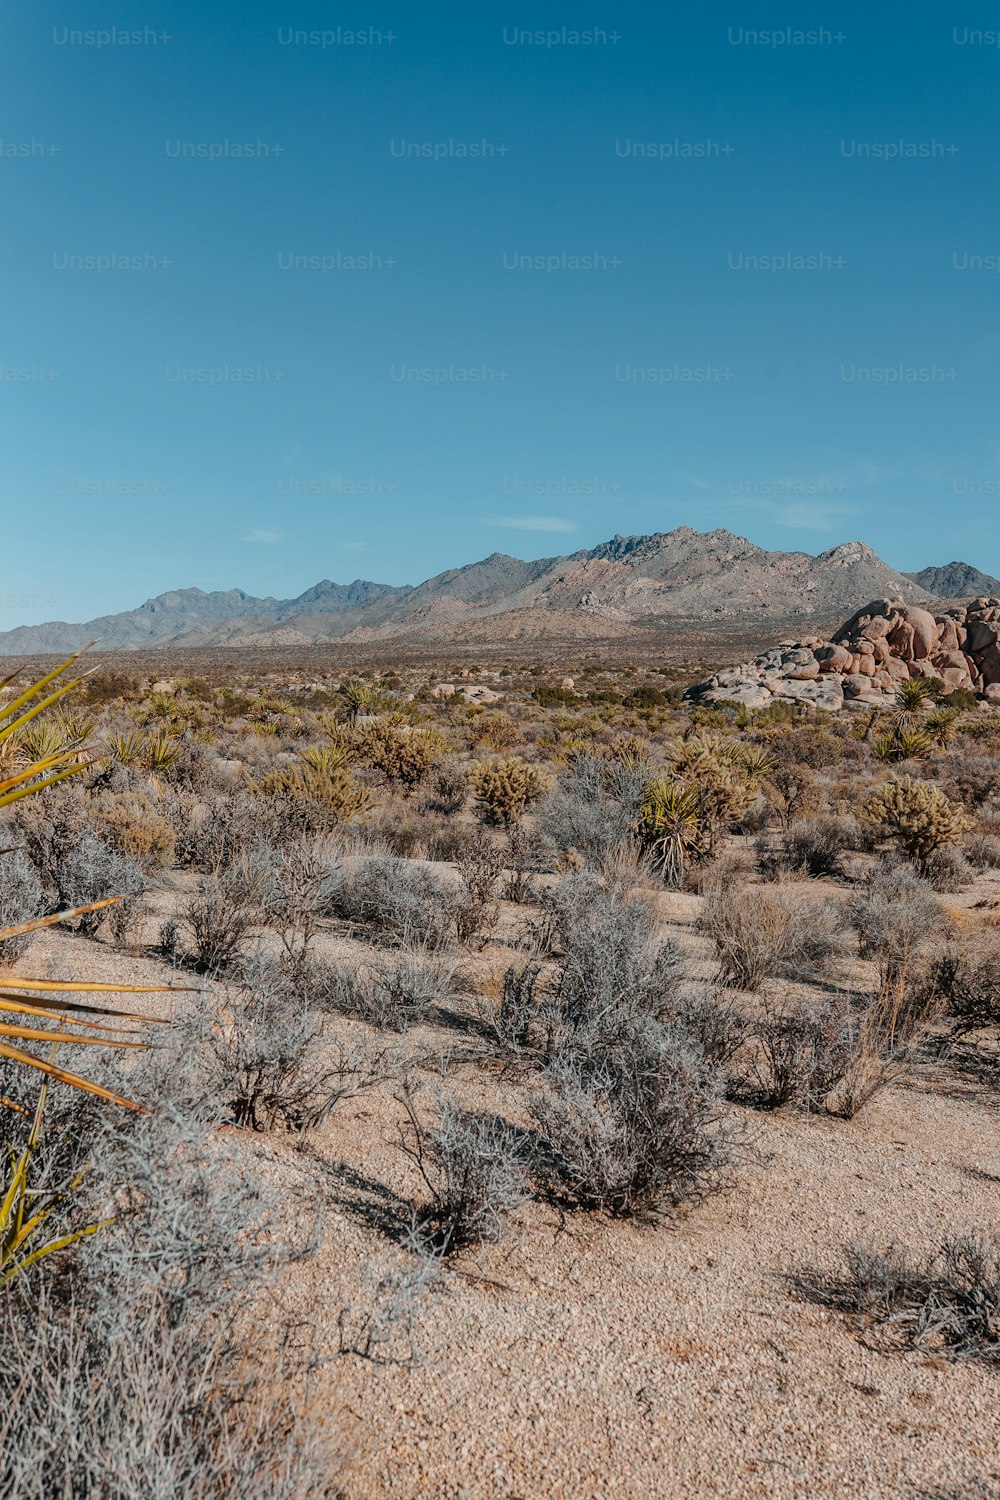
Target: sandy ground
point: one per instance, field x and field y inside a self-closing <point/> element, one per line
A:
<point x="588" y="1358"/>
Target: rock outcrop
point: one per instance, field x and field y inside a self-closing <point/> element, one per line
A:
<point x="878" y="647"/>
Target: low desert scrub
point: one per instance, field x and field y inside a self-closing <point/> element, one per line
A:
<point x="836" y="1055"/>
<point x="818" y="845"/>
<point x="967" y="979"/>
<point x="268" y="1058"/>
<point x="895" y="916"/>
<point x="759" y="934"/>
<point x="947" y="870"/>
<point x="21" y="899"/>
<point x="227" y="913"/>
<point x="612" y="965"/>
<point x="982" y="850"/>
<point x="516" y="1008"/>
<point x="480" y="864"/>
<point x="632" y="1125"/>
<point x="396" y="898"/>
<point x="392" y="992"/>
<point x="151" y="1373"/>
<point x="474" y="1168"/>
<point x="946" y="1303"/>
<point x="592" y="809"/>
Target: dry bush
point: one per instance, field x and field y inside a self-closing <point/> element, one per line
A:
<point x="474" y="1168"/>
<point x="982" y="850"/>
<point x="21" y="899"/>
<point x="449" y="789"/>
<point x="592" y="809"/>
<point x="141" y="1381"/>
<point x="268" y="1057"/>
<point x="392" y="992"/>
<point x="480" y="864"/>
<point x="818" y="845"/>
<point x="632" y="1124"/>
<point x="946" y="1303"/>
<point x="398" y="899"/>
<point x="967" y="979"/>
<point x="227" y="913"/>
<point x="760" y="934"/>
<point x="612" y="966"/>
<point x="131" y="823"/>
<point x="896" y="917"/>
<point x="948" y="870"/>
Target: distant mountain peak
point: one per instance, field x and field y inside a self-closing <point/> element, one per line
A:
<point x="628" y="582"/>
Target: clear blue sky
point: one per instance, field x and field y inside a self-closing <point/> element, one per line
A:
<point x="343" y="461"/>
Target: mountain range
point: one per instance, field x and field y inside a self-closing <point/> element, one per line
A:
<point x="625" y="584"/>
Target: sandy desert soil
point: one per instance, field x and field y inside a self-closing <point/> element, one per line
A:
<point x="586" y="1357"/>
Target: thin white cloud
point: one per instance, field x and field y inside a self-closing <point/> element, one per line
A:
<point x="259" y="535"/>
<point x="530" y="523"/>
<point x="810" y="515"/>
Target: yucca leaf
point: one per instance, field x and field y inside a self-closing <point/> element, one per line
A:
<point x="43" y="682"/>
<point x="62" y="1075"/>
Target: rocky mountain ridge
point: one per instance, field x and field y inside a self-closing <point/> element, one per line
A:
<point x="626" y="583"/>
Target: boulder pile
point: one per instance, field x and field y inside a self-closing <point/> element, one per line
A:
<point x="860" y="667"/>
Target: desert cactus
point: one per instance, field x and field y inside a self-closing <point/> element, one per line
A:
<point x="505" y="787"/>
<point x="916" y="815"/>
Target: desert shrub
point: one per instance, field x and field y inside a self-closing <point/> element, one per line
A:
<point x="142" y="1382"/>
<point x="521" y="857"/>
<point x="587" y="811"/>
<point x="131" y="823"/>
<point x="227" y="913"/>
<point x="474" y="1169"/>
<point x="759" y="934"/>
<point x="505" y="788"/>
<point x="947" y="869"/>
<point x="611" y="965"/>
<point x="398" y="898"/>
<point x="21" y="899"/>
<point x="718" y="1026"/>
<point x="947" y="1303"/>
<point x="818" y="845"/>
<point x="91" y="871"/>
<point x="633" y="1125"/>
<point x="519" y="1007"/>
<point x="295" y="884"/>
<point x="982" y="851"/>
<point x="392" y="992"/>
<point x="916" y="816"/>
<point x="974" y="780"/>
<point x="895" y="916"/>
<point x="480" y="864"/>
<point x="219" y="832"/>
<point x="449" y="788"/>
<point x="802" y="1052"/>
<point x="968" y="980"/>
<point x="267" y="1058"/>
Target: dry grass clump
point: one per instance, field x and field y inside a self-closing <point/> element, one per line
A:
<point x="759" y="934"/>
<point x="947" y="1303"/>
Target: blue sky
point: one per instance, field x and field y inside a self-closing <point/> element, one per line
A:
<point x="575" y="331"/>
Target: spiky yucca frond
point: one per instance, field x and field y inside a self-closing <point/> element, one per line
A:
<point x="50" y="1018"/>
<point x="672" y="827"/>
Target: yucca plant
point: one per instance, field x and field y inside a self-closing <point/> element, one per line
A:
<point x="672" y="827"/>
<point x="911" y="698"/>
<point x="941" y="725"/>
<point x="127" y="749"/>
<point x="42" y="1000"/>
